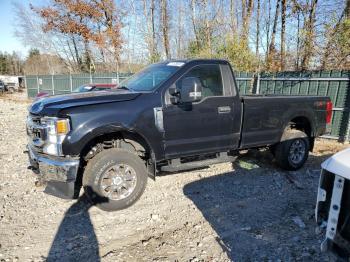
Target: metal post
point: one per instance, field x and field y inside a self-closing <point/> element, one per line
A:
<point x="258" y="85"/>
<point x="347" y="135"/>
<point x="118" y="80"/>
<point x="90" y="77"/>
<point x="37" y="83"/>
<point x="70" y="82"/>
<point x="53" y="85"/>
<point x="25" y="84"/>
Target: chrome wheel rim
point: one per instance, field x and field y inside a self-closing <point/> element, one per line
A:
<point x="118" y="181"/>
<point x="297" y="151"/>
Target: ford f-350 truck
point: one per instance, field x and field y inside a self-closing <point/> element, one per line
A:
<point x="171" y="116"/>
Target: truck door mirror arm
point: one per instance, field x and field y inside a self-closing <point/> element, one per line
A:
<point x="174" y="93"/>
<point x="191" y="91"/>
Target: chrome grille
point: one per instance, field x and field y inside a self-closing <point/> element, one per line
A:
<point x="35" y="131"/>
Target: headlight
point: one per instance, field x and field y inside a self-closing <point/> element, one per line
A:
<point x="56" y="126"/>
<point x="57" y="129"/>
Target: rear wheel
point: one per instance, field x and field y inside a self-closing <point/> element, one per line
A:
<point x="293" y="151"/>
<point x="115" y="179"/>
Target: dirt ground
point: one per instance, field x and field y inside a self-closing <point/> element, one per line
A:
<point x="251" y="211"/>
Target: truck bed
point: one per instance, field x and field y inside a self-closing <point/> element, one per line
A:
<point x="266" y="116"/>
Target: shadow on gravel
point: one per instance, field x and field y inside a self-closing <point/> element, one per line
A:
<point x="75" y="239"/>
<point x="253" y="212"/>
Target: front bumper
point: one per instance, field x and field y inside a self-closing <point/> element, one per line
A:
<point x="330" y="212"/>
<point x="60" y="173"/>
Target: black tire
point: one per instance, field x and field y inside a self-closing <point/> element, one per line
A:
<point x="95" y="172"/>
<point x="292" y="152"/>
<point x="11" y="90"/>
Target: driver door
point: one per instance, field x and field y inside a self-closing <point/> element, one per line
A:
<point x="204" y="126"/>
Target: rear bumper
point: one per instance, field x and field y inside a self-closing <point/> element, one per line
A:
<point x="60" y="173"/>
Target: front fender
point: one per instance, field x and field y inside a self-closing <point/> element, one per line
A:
<point x="78" y="139"/>
<point x="133" y="117"/>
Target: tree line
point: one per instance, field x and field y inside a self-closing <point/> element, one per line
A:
<point x="254" y="35"/>
<point x="10" y="64"/>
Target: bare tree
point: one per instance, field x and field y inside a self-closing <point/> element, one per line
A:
<point x="257" y="29"/>
<point x="165" y="27"/>
<point x="150" y="36"/>
<point x="283" y="34"/>
<point x="309" y="32"/>
<point x="233" y="18"/>
<point x="272" y="48"/>
<point x="336" y="50"/>
<point x="194" y="22"/>
<point x="179" y="30"/>
<point x="247" y="9"/>
<point x="268" y="22"/>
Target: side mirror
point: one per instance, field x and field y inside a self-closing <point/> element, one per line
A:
<point x="191" y="90"/>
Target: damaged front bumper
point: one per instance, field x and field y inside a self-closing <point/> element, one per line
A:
<point x="332" y="213"/>
<point x="59" y="173"/>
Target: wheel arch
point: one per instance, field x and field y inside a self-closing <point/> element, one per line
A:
<point x="301" y="123"/>
<point x="122" y="138"/>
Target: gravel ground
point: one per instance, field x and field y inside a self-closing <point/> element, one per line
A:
<point x="251" y="211"/>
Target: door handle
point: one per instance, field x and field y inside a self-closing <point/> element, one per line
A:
<point x="224" y="109"/>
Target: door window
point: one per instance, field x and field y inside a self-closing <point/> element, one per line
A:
<point x="210" y="77"/>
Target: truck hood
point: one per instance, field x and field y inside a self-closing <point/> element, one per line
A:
<point x="339" y="164"/>
<point x="52" y="104"/>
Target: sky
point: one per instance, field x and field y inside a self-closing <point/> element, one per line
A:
<point x="8" y="41"/>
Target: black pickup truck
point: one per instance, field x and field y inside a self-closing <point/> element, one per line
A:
<point x="172" y="116"/>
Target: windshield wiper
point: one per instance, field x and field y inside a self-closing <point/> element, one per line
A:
<point x="125" y="87"/>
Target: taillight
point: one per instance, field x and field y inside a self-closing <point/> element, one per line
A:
<point x="329" y="108"/>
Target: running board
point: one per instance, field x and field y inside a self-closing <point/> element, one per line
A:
<point x="176" y="165"/>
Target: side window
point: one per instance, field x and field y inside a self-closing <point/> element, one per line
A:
<point x="210" y="76"/>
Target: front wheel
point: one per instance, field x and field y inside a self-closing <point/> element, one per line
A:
<point x="293" y="151"/>
<point x="114" y="179"/>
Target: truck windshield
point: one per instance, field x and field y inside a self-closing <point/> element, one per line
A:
<point x="149" y="78"/>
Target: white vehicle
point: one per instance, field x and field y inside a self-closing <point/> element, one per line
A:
<point x="12" y="83"/>
<point x="333" y="204"/>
